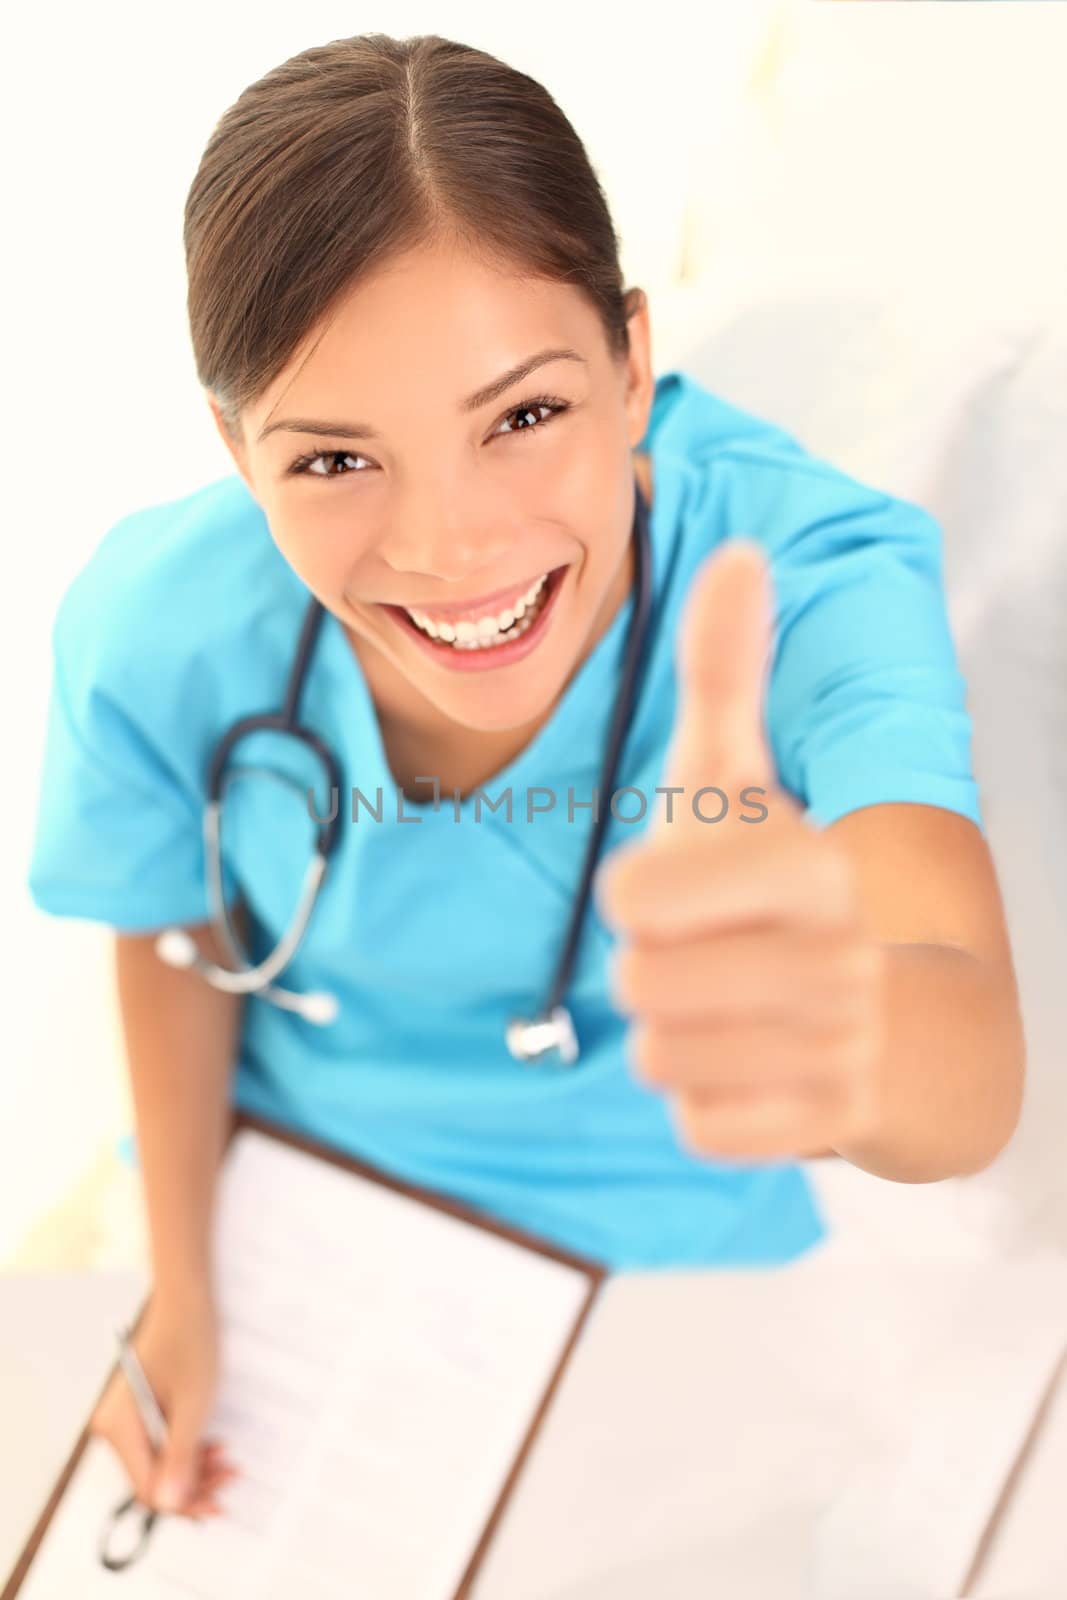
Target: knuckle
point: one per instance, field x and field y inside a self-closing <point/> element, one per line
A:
<point x="866" y="1035"/>
<point x="869" y="1055"/>
<point x="866" y="963"/>
<point x="615" y="885"/>
<point x="863" y="1107"/>
<point x="846" y="958"/>
<point x="853" y="1060"/>
<point x="625" y="983"/>
<point x="691" y="1124"/>
<point x="837" y="1051"/>
<point x="847" y="1054"/>
<point x="850" y="971"/>
<point x="648" y="1052"/>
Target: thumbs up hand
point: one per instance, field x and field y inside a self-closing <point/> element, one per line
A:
<point x="754" y="988"/>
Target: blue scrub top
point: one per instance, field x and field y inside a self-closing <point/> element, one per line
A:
<point x="436" y="929"/>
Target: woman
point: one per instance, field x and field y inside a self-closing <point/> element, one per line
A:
<point x="402" y="269"/>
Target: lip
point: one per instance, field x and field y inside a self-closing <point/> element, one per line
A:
<point x="485" y="603"/>
<point x="501" y="655"/>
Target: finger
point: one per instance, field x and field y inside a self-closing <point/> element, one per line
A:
<point x="757" y="974"/>
<point x="775" y="1127"/>
<point x="795" y="875"/>
<point x="214" y="1477"/>
<point x="204" y="1501"/>
<point x="742" y="1058"/>
<point x="203" y="1506"/>
<point x="177" y="1467"/>
<point x="723" y="650"/>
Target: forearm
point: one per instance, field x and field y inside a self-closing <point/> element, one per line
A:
<point x="952" y="1067"/>
<point x="181" y="1039"/>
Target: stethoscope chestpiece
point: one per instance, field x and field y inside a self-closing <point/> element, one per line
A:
<point x="529" y="1040"/>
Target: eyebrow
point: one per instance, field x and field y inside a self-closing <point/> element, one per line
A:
<point x="473" y="402"/>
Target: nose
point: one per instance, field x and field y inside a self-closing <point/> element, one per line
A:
<point x="435" y="549"/>
<point x="436" y="536"/>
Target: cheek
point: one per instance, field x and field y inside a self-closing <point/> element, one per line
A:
<point x="322" y="548"/>
<point x="602" y="485"/>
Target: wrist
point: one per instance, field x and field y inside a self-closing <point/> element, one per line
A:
<point x="184" y="1294"/>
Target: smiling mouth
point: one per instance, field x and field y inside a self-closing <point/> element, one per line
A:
<point x="472" y="638"/>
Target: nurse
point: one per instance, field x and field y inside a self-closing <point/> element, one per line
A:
<point x="409" y="323"/>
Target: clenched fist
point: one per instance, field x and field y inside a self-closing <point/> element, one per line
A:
<point x="754" y="988"/>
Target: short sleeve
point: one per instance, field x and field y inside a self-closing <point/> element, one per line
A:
<point x="117" y="839"/>
<point x="865" y="690"/>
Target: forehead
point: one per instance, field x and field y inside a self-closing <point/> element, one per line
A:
<point x="436" y="322"/>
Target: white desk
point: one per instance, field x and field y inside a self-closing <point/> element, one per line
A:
<point x="687" y="1451"/>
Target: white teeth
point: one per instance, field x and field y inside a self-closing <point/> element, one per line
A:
<point x="485" y="627"/>
<point x="487" y="633"/>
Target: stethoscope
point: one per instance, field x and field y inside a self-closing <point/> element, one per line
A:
<point x="527" y="1038"/>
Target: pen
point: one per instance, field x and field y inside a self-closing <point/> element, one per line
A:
<point x="156" y="1428"/>
<point x="147" y="1404"/>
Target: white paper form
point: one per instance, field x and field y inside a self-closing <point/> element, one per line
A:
<point x="381" y="1364"/>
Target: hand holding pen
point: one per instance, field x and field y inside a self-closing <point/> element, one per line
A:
<point x="171" y="1366"/>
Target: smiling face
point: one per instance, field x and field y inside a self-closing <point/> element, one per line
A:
<point x="420" y="492"/>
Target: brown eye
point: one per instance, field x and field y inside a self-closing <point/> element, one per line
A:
<point x="529" y="409"/>
<point x="527" y="413"/>
<point x="304" y="464"/>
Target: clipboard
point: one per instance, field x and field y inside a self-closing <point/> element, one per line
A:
<point x="595" y="1272"/>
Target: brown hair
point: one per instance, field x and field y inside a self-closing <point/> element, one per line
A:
<point x="356" y="149"/>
